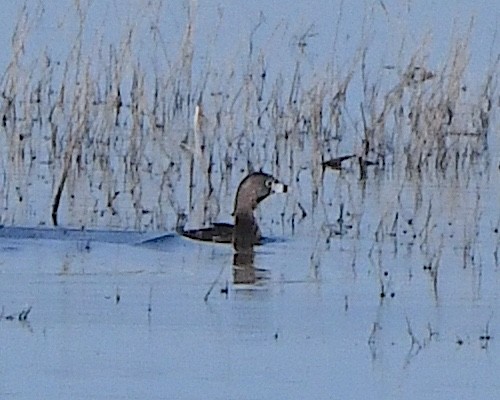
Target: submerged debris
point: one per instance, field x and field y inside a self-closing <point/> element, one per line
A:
<point x="21" y="316"/>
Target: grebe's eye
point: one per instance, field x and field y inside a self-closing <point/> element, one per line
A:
<point x="269" y="183"/>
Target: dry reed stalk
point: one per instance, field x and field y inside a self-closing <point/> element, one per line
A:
<point x="78" y="130"/>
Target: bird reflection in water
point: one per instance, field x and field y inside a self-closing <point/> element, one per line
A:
<point x="244" y="270"/>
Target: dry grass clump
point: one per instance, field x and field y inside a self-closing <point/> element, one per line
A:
<point x="430" y="120"/>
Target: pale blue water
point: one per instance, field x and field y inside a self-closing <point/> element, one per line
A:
<point x="128" y="321"/>
<point x="296" y="336"/>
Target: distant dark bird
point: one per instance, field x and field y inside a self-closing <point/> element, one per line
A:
<point x="336" y="163"/>
<point x="366" y="163"/>
<point x="363" y="166"/>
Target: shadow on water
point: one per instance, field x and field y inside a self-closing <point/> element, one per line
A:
<point x="154" y="240"/>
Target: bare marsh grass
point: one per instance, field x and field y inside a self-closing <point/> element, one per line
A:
<point x="111" y="137"/>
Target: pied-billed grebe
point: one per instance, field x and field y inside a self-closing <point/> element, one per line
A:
<point x="245" y="232"/>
